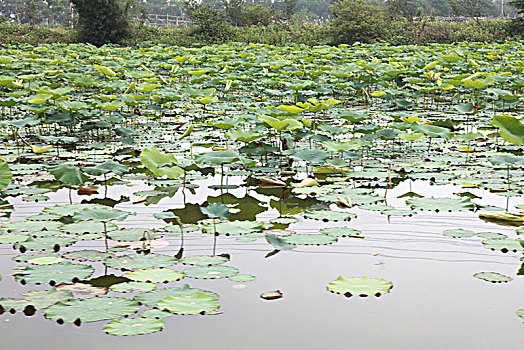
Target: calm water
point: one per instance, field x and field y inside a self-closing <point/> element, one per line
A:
<point x="435" y="303"/>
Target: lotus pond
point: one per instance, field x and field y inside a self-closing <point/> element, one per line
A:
<point x="254" y="196"/>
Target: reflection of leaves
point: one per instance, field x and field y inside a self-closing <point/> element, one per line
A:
<point x="441" y="204"/>
<point x="249" y="206"/>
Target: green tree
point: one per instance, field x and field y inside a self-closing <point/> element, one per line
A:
<point x="257" y="15"/>
<point x="354" y="20"/>
<point x="210" y="25"/>
<point x="473" y="8"/>
<point x="102" y="21"/>
<point x="234" y="11"/>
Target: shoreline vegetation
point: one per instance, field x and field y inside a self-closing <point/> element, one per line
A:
<point x="394" y="33"/>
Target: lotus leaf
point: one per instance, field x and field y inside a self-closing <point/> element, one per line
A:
<point x="328" y="215"/>
<point x="91" y="310"/>
<point x="309" y="239"/>
<point x="151" y="298"/>
<point x="126" y="287"/>
<point x="53" y="274"/>
<point x="203" y="260"/>
<point x="361" y="286"/>
<point x="504" y="245"/>
<point x="458" y="233"/>
<point x="441" y="204"/>
<point x="342" y="232"/>
<point x="160" y="275"/>
<point x="134" y="326"/>
<point x="493" y="277"/>
<point x="68" y="174"/>
<point x="138" y="261"/>
<point x="211" y="272"/>
<point x="198" y="303"/>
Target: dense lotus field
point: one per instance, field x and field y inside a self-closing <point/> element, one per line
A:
<point x="116" y="160"/>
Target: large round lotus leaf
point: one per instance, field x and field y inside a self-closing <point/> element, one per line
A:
<point x="203" y="260"/>
<point x="441" y="204"/>
<point x="504" y="245"/>
<point x="139" y="261"/>
<point x="493" y="277"/>
<point x="134" y="326"/>
<point x="151" y="298"/>
<point x="189" y="304"/>
<point x="69" y="209"/>
<point x="68" y="174"/>
<point x="87" y="255"/>
<point x="329" y="215"/>
<point x="309" y="239"/>
<point x="43" y="217"/>
<point x="127" y="287"/>
<point x="511" y="128"/>
<point x="14" y="238"/>
<point x="91" y="310"/>
<point x="155" y="313"/>
<point x="211" y="272"/>
<point x="27" y="257"/>
<point x="88" y="227"/>
<point x="99" y="214"/>
<point x="53" y="274"/>
<point x="31" y="226"/>
<point x="458" y="233"/>
<point x="342" y="232"/>
<point x="45" y="298"/>
<point x="133" y="234"/>
<point x="234" y="227"/>
<point x="216" y="210"/>
<point x="12" y="305"/>
<point x="82" y="290"/>
<point x="45" y="243"/>
<point x="155" y="275"/>
<point x="362" y="286"/>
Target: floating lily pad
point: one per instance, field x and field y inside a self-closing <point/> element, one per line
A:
<point x="127" y="287"/>
<point x="242" y="278"/>
<point x="45" y="243"/>
<point x="91" y="310"/>
<point x="14" y="238"/>
<point x="272" y="295"/>
<point x="30" y="226"/>
<point x="342" y="232"/>
<point x="151" y="298"/>
<point x="234" y="227"/>
<point x="134" y="326"/>
<point x="88" y="227"/>
<point x="45" y="260"/>
<point x="133" y="234"/>
<point x="155" y="275"/>
<point x="53" y="274"/>
<point x="493" y="277"/>
<point x="139" y="261"/>
<point x="155" y="313"/>
<point x="211" y="272"/>
<point x="520" y="313"/>
<point x="491" y="235"/>
<point x="361" y="286"/>
<point x="504" y="245"/>
<point x="329" y="215"/>
<point x="203" y="260"/>
<point x="88" y="255"/>
<point x="283" y="221"/>
<point x="198" y="303"/>
<point x="441" y="204"/>
<point x="309" y="239"/>
<point x="458" y="233"/>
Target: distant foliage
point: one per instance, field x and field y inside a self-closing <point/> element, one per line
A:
<point x="354" y="20"/>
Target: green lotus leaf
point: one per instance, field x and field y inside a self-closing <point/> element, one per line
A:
<point x="329" y="215"/>
<point x="91" y="310"/>
<point x="31" y="226"/>
<point x="511" y="128"/>
<point x="218" y="157"/>
<point x="14" y="238"/>
<point x="68" y="174"/>
<point x="127" y="287"/>
<point x="361" y="286"/>
<point x="69" y="209"/>
<point x="134" y="326"/>
<point x="493" y="277"/>
<point x="283" y="220"/>
<point x="412" y="136"/>
<point x="309" y="239"/>
<point x="210" y="272"/>
<point x="84" y="227"/>
<point x="45" y="260"/>
<point x="160" y="164"/>
<point x="87" y="255"/>
<point x="311" y="156"/>
<point x="81" y="290"/>
<point x="45" y="243"/>
<point x="139" y="261"/>
<point x="100" y="215"/>
<point x="504" y="245"/>
<point x="520" y="313"/>
<point x="133" y="234"/>
<point x="491" y="235"/>
<point x="441" y="204"/>
<point x="151" y="298"/>
<point x="216" y="210"/>
<point x="5" y="175"/>
<point x="342" y="232"/>
<point x="160" y="275"/>
<point x="278" y="243"/>
<point x="53" y="274"/>
<point x="242" y="278"/>
<point x="234" y="227"/>
<point x="198" y="303"/>
<point x="458" y="233"/>
<point x="432" y="131"/>
<point x="203" y="260"/>
<point x="109" y="166"/>
<point x="155" y="313"/>
<point x="44" y="298"/>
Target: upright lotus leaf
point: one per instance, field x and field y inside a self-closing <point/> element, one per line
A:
<point x="68" y="174"/>
<point x="243" y="135"/>
<point x="274" y="122"/>
<point x="105" y="70"/>
<point x="415" y="136"/>
<point x="100" y="214"/>
<point x="91" y="310"/>
<point x="218" y="157"/>
<point x="216" y="210"/>
<point x="109" y="166"/>
<point x="187" y="132"/>
<point x="507" y="160"/>
<point x="361" y="286"/>
<point x="234" y="227"/>
<point x="160" y="164"/>
<point x="198" y="303"/>
<point x="5" y="175"/>
<point x="311" y="156"/>
<point x="278" y="243"/>
<point x="511" y="128"/>
<point x="134" y="326"/>
<point x="432" y="131"/>
<point x="53" y="274"/>
<point x="441" y="204"/>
